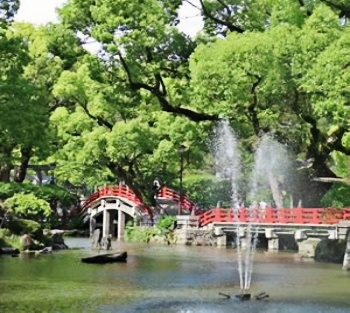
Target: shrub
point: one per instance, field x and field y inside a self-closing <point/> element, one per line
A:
<point x="166" y="222"/>
<point x="9" y="241"/>
<point x="24" y="226"/>
<point x="28" y="205"/>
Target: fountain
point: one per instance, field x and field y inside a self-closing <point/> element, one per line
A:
<point x="227" y="165"/>
<point x="268" y="173"/>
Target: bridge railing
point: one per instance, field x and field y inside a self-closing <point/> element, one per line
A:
<point x="127" y="193"/>
<point x="116" y="191"/>
<point x="274" y="215"/>
<point x="176" y="196"/>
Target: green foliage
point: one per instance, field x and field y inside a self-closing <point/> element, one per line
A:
<point x="49" y="193"/>
<point x="9" y="240"/>
<point x="19" y="226"/>
<point x="207" y="191"/>
<point x="338" y="196"/>
<point x="28" y="205"/>
<point x="8" y="9"/>
<point x="75" y="223"/>
<point x="166" y="222"/>
<point x="53" y="193"/>
<point x="139" y="234"/>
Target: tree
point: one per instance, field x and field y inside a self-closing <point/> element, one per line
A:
<point x="8" y="9"/>
<point x="287" y="80"/>
<point x="120" y="113"/>
<point x="22" y="114"/>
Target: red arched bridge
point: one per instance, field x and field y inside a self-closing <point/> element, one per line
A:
<point x="115" y="203"/>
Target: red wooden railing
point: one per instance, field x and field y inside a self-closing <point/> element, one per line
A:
<point x="127" y="193"/>
<point x="114" y="191"/>
<point x="170" y="194"/>
<point x="245" y="215"/>
<point x="274" y="216"/>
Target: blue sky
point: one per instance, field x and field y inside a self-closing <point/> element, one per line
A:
<point x="43" y="11"/>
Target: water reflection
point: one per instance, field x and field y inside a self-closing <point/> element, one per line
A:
<point x="167" y="279"/>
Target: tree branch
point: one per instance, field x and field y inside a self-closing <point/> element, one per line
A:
<point x="252" y="107"/>
<point x="160" y="94"/>
<point x="225" y="6"/>
<point x="190" y="3"/>
<point x="100" y="121"/>
<point x="162" y="87"/>
<point x="230" y="26"/>
<point x="302" y="4"/>
<point x="344" y="10"/>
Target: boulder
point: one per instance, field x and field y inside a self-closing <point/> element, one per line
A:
<point x="27" y="242"/>
<point x="9" y="251"/>
<point x="57" y="242"/>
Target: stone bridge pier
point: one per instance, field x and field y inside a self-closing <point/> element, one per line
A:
<point x="272" y="239"/>
<point x="306" y="237"/>
<point x="308" y="240"/>
<point x="114" y="214"/>
<point x="345" y="232"/>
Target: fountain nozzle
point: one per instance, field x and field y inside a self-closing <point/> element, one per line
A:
<point x="244" y="295"/>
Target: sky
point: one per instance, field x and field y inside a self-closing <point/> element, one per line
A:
<point x="43" y="11"/>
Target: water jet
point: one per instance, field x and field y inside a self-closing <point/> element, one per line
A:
<point x="269" y="170"/>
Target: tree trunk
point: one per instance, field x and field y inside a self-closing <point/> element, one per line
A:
<point x="21" y="171"/>
<point x="310" y="191"/>
<point x="5" y="173"/>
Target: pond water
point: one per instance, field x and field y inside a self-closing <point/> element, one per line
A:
<point x="168" y="279"/>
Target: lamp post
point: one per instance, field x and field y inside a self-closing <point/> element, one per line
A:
<point x="182" y="152"/>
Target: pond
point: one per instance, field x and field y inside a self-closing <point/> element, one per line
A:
<point x="168" y="279"/>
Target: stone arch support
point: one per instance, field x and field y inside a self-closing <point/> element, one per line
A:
<point x="105" y="207"/>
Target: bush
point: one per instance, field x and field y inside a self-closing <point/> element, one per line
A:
<point x="23" y="226"/>
<point x="166" y="222"/>
<point x="28" y="205"/>
<point x="139" y="234"/>
<point x="7" y="240"/>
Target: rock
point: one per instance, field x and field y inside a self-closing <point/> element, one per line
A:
<point x="9" y="251"/>
<point x="58" y="242"/>
<point x="96" y="239"/>
<point x="46" y="250"/>
<point x="27" y="242"/>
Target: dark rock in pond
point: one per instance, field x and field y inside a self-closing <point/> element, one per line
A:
<point x="9" y="251"/>
<point x="58" y="242"/>
<point x="106" y="258"/>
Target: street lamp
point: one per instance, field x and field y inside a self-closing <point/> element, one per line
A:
<point x="182" y="151"/>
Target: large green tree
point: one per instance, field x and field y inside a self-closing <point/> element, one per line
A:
<point x="32" y="60"/>
<point x="125" y="112"/>
<point x="289" y="80"/>
<point x="22" y="113"/>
